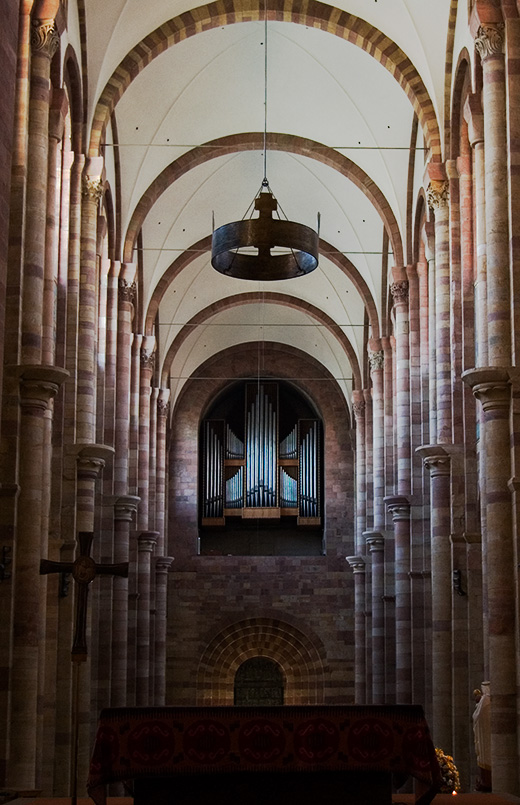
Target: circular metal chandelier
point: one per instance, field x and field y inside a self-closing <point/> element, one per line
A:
<point x="265" y="248"/>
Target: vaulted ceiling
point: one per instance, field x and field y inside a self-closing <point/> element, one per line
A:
<point x="185" y="88"/>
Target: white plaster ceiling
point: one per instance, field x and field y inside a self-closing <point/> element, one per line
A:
<point x="320" y="87"/>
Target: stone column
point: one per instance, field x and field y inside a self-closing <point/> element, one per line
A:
<point x="92" y="191"/>
<point x="143" y="467"/>
<point x="489" y="43"/>
<point x="438" y="196"/>
<point x="369" y="462"/>
<point x="125" y="507"/>
<point x="44" y="43"/>
<point x="152" y="480"/>
<point x="91" y="460"/>
<point x="358" y="408"/>
<point x="399" y="507"/>
<point x="376" y="546"/>
<point x="147" y="541"/>
<point x="357" y="564"/>
<point x="473" y="114"/>
<point x="388" y="411"/>
<point x="38" y="385"/>
<point x="162" y="567"/>
<point x="491" y="385"/>
<point x="376" y="359"/>
<point x="163" y="409"/>
<point x="437" y="461"/>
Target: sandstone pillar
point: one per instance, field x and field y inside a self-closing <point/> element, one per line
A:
<point x="162" y="567"/>
<point x="125" y="507"/>
<point x="357" y="564"/>
<point x="143" y="468"/>
<point x="38" y="385"/>
<point x="376" y="359"/>
<point x="491" y="385"/>
<point x="163" y="408"/>
<point x="358" y="408"/>
<point x="376" y="546"/>
<point x="44" y="43"/>
<point x="399" y="507"/>
<point x="437" y="461"/>
<point x="147" y="541"/>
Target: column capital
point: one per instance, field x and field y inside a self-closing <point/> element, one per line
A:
<point x="435" y="458"/>
<point x="375" y="541"/>
<point x="491" y="385"/>
<point x="399" y="291"/>
<point x="91" y="459"/>
<point x="146" y="541"/>
<point x="39" y="384"/>
<point x="125" y="506"/>
<point x="489" y="40"/>
<point x="358" y="404"/>
<point x="438" y="194"/>
<point x="127" y="290"/>
<point x="45" y="38"/>
<point x="357" y="563"/>
<point x="163" y="403"/>
<point x="163" y="564"/>
<point x="376" y="360"/>
<point x="398" y="506"/>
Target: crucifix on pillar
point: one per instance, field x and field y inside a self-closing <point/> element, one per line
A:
<point x="84" y="570"/>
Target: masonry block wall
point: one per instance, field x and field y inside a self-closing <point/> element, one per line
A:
<point x="214" y="597"/>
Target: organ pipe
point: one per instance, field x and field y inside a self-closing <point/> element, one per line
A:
<point x="245" y="467"/>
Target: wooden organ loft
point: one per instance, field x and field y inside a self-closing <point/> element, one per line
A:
<point x="261" y="460"/>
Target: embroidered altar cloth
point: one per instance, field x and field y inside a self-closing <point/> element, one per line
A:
<point x="137" y="743"/>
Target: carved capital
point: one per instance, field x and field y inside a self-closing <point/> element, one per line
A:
<point x="376" y="360"/>
<point x="44" y="37"/>
<point x="438" y="194"/>
<point x="490" y="40"/>
<point x="125" y="507"/>
<point x="375" y="541"/>
<point x="92" y="188"/>
<point x="398" y="506"/>
<point x="163" y="407"/>
<point x="163" y="564"/>
<point x="399" y="291"/>
<point x="435" y="459"/>
<point x="147" y="358"/>
<point x="147" y="540"/>
<point x="359" y="407"/>
<point x="38" y="385"/>
<point x="127" y="290"/>
<point x="491" y="385"/>
<point x="357" y="563"/>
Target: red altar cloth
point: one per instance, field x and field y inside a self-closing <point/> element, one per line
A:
<point x="137" y="743"/>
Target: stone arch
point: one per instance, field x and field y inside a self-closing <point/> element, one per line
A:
<point x="300" y="655"/>
<point x="204" y="245"/>
<point x="311" y="379"/>
<point x="316" y="14"/>
<point x="253" y="141"/>
<point x="273" y="298"/>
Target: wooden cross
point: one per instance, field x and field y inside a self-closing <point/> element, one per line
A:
<point x="84" y="570"/>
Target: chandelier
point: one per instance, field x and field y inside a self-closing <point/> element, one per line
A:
<point x="265" y="248"/>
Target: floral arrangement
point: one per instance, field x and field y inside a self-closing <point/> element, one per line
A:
<point x="449" y="773"/>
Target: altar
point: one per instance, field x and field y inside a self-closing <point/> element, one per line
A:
<point x="283" y="754"/>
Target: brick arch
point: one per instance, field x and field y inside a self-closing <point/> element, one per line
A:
<point x="203" y="245"/>
<point x="300" y="655"/>
<point x="253" y="141"/>
<point x="314" y="13"/>
<point x="272" y="298"/>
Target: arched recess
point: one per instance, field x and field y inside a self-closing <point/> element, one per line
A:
<point x="316" y="14"/>
<point x="300" y="655"/>
<point x="204" y="245"/>
<point x="273" y="298"/>
<point x="312" y="380"/>
<point x="253" y="141"/>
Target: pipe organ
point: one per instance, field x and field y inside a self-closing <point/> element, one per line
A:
<point x="251" y="470"/>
